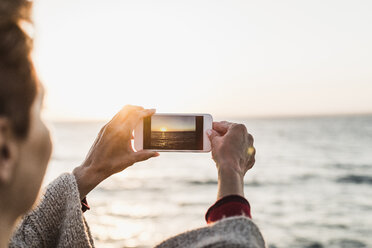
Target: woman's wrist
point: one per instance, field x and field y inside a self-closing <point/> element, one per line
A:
<point x="86" y="179"/>
<point x="230" y="182"/>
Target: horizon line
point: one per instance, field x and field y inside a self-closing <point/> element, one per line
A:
<point x="231" y="117"/>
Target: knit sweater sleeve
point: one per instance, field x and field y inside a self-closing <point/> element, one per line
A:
<point x="57" y="221"/>
<point x="236" y="231"/>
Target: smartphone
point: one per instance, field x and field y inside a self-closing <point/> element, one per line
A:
<point x="173" y="133"/>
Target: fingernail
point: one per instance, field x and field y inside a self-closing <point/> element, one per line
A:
<point x="156" y="154"/>
<point x="209" y="132"/>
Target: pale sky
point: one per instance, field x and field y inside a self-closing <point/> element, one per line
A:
<point x="227" y="58"/>
<point x="181" y="123"/>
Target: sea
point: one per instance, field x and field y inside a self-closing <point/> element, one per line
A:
<point x="311" y="186"/>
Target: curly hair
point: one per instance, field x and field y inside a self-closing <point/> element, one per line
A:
<point x="18" y="83"/>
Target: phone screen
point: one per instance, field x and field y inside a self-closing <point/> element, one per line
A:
<point x="173" y="132"/>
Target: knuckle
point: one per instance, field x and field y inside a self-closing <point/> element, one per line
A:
<point x="240" y="127"/>
<point x="234" y="125"/>
<point x="127" y="107"/>
<point x="250" y="137"/>
<point x="251" y="162"/>
<point x="108" y="127"/>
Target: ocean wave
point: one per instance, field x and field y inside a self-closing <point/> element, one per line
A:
<point x="357" y="179"/>
<point x="215" y="182"/>
<point x="203" y="182"/>
<point x="346" y="243"/>
<point x="121" y="189"/>
<point x="314" y="245"/>
<point x="306" y="177"/>
<point x="134" y="216"/>
<point x="351" y="166"/>
<point x="186" y="204"/>
<point x="308" y="244"/>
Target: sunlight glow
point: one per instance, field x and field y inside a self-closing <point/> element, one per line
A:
<point x="184" y="57"/>
<point x="163" y="129"/>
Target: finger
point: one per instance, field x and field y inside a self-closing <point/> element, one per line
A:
<point x="137" y="116"/>
<point x="222" y="126"/>
<point x="125" y="112"/>
<point x="144" y="155"/>
<point x="212" y="134"/>
<point x="251" y="163"/>
<point x="250" y="139"/>
<point x="132" y="107"/>
<point x="146" y="113"/>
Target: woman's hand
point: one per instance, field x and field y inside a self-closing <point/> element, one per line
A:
<point x="234" y="154"/>
<point x="112" y="151"/>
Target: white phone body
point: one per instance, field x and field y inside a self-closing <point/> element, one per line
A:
<point x="146" y="139"/>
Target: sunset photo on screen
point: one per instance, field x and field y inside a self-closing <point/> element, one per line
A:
<point x="174" y="133"/>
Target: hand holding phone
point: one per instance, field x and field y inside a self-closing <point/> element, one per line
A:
<point x="112" y="152"/>
<point x="174" y="133"/>
<point x="234" y="154"/>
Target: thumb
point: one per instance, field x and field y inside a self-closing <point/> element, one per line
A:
<point x="144" y="155"/>
<point x="212" y="134"/>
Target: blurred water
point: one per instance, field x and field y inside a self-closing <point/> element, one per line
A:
<point x="311" y="185"/>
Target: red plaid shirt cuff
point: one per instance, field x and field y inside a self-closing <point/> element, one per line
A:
<point x="84" y="205"/>
<point x="228" y="206"/>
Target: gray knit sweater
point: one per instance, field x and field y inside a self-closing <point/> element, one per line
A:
<point x="59" y="222"/>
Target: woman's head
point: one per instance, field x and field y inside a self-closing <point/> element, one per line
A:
<point x="24" y="140"/>
<point x="17" y="80"/>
